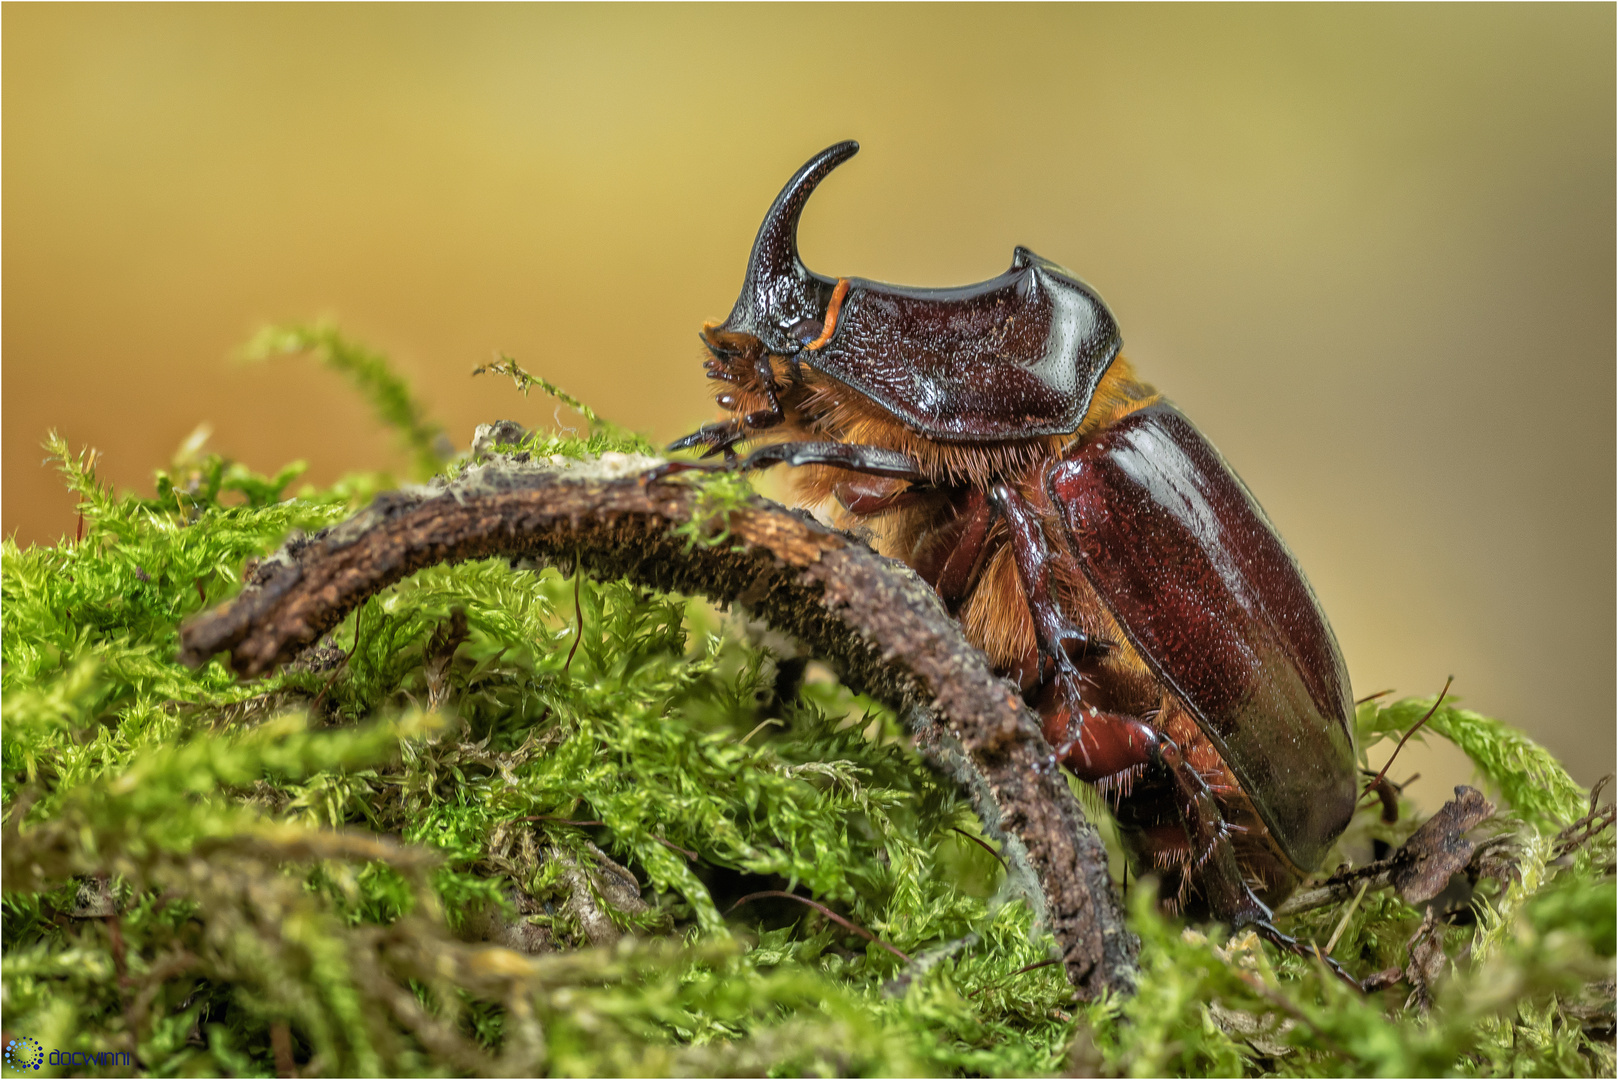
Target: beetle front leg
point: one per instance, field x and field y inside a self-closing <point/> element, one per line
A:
<point x="719" y="438"/>
<point x="1060" y="642"/>
<point x="715" y="438"/>
<point x="870" y="460"/>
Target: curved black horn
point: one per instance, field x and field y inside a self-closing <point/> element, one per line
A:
<point x="779" y="290"/>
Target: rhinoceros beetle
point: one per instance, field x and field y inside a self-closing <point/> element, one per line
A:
<point x="1092" y="542"/>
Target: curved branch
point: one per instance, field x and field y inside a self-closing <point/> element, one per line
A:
<point x="873" y="619"/>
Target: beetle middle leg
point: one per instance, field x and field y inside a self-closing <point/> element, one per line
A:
<point x="954" y="566"/>
<point x="866" y="495"/>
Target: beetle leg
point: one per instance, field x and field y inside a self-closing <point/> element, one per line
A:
<point x="1107" y="744"/>
<point x="1268" y="931"/>
<point x="967" y="552"/>
<point x="1100" y="746"/>
<point x="1214" y="862"/>
<point x="871" y="460"/>
<point x="867" y="496"/>
<point x="1059" y="640"/>
<point x="714" y="438"/>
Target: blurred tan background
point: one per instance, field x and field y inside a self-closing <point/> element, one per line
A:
<point x="1369" y="249"/>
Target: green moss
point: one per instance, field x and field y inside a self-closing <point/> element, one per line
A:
<point x="604" y="435"/>
<point x="485" y="749"/>
<point x="1519" y="769"/>
<point x="372" y="375"/>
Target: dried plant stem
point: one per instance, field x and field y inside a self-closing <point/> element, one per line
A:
<point x="846" y="924"/>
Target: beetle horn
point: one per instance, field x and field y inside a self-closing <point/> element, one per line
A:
<point x="779" y="290"/>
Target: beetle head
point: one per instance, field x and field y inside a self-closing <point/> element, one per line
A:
<point x="782" y="301"/>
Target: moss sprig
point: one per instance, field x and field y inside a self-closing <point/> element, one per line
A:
<point x="372" y="374"/>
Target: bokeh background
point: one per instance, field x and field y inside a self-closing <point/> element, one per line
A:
<point x="1369" y="249"/>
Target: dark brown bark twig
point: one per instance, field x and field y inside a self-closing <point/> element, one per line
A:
<point x="877" y="623"/>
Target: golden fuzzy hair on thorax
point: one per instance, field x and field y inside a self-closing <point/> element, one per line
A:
<point x="833" y="411"/>
<point x="819" y="408"/>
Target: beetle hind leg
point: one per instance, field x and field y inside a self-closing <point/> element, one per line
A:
<point x="1214" y="863"/>
<point x="1267" y="930"/>
<point x="1114" y="751"/>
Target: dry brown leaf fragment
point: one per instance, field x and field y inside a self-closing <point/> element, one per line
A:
<point x="592" y="889"/>
<point x="1439" y="848"/>
<point x="488" y="923"/>
<point x="1381" y="980"/>
<point x="95" y="899"/>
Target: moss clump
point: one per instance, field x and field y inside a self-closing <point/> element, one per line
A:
<point x="500" y="821"/>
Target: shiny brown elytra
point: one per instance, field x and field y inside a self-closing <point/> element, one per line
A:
<point x="1093" y="543"/>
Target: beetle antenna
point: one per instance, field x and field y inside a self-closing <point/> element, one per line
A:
<point x="1414" y="728"/>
